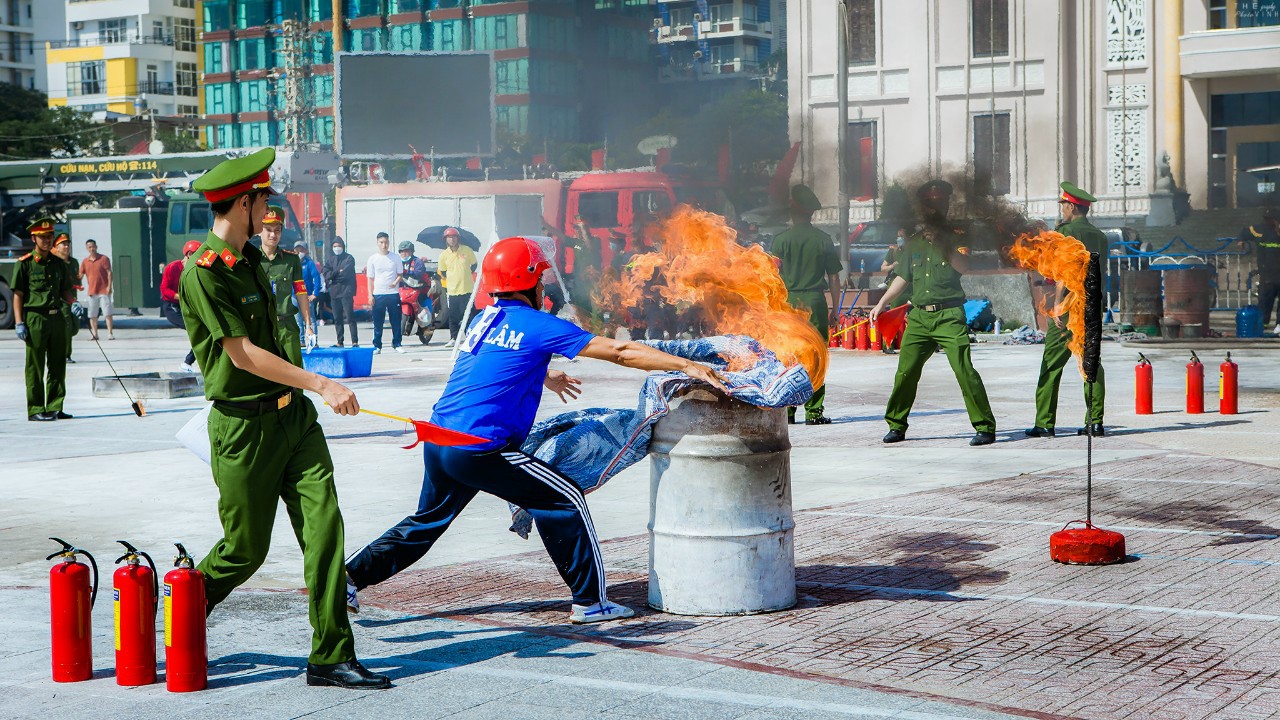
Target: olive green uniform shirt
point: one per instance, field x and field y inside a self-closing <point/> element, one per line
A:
<point x="44" y="281"/>
<point x="227" y="294"/>
<point x="927" y="267"/>
<point x="283" y="272"/>
<point x="1094" y="240"/>
<point x="808" y="257"/>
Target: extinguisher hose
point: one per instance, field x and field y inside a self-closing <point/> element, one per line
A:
<point x="155" y="582"/>
<point x="93" y="593"/>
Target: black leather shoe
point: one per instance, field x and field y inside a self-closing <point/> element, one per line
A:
<point x="42" y="417"/>
<point x="894" y="436"/>
<point x="64" y="415"/>
<point x="1098" y="430"/>
<point x="351" y="675"/>
<point x="820" y="420"/>
<point x="1038" y="432"/>
<point x="73" y="362"/>
<point x="983" y="439"/>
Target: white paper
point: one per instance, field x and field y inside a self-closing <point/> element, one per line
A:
<point x="194" y="436"/>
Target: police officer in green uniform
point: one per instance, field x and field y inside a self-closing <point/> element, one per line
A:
<point x="265" y="441"/>
<point x="284" y="270"/>
<point x="62" y="248"/>
<point x="1074" y="204"/>
<point x="810" y="268"/>
<point x="42" y="286"/>
<point x="932" y="262"/>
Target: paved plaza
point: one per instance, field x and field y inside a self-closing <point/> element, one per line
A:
<point x="925" y="587"/>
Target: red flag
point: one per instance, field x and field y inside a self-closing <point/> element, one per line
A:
<point x="442" y="436"/>
<point x="891" y="322"/>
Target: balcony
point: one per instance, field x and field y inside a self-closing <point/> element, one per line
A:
<point x="101" y="40"/>
<point x="153" y="87"/>
<point x="711" y="30"/>
<point x="1230" y="53"/>
<point x="711" y="70"/>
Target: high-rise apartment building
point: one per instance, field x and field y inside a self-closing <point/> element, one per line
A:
<point x="565" y="69"/>
<point x="125" y="58"/>
<point x="24" y="26"/>
<point x="1021" y="95"/>
<point x="722" y="43"/>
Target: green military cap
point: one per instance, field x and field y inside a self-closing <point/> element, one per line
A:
<point x="935" y="189"/>
<point x="803" y="198"/>
<point x="41" y="226"/>
<point x="1075" y="196"/>
<point x="232" y="178"/>
<point x="274" y="216"/>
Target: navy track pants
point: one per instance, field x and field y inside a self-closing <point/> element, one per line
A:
<point x="452" y="477"/>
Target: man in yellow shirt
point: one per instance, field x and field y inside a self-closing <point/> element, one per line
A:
<point x="456" y="265"/>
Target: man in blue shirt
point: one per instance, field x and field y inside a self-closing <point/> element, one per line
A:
<point x="314" y="282"/>
<point x="493" y="393"/>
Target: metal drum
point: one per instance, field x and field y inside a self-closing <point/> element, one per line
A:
<point x="720" y="527"/>
<point x="1188" y="297"/>
<point x="1140" y="299"/>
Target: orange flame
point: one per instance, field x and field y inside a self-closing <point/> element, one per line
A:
<point x="699" y="263"/>
<point x="1063" y="260"/>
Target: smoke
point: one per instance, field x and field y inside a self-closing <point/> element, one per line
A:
<point x="994" y="223"/>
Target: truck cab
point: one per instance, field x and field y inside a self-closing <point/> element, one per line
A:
<point x="620" y="201"/>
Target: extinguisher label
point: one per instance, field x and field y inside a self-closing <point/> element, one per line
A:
<point x="116" y="593"/>
<point x="168" y="613"/>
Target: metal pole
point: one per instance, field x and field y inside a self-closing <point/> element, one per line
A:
<point x="842" y="132"/>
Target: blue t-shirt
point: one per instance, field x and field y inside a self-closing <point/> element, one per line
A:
<point x="494" y="391"/>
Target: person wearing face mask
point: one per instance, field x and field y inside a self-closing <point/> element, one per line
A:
<point x="266" y="443"/>
<point x="932" y="262"/>
<point x="340" y="278"/>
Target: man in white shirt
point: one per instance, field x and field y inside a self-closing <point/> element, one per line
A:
<point x="383" y="272"/>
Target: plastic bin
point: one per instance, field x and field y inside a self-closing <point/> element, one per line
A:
<point x="339" y="362"/>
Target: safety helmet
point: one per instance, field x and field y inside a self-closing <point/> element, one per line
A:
<point x="513" y="264"/>
<point x="406" y="245"/>
<point x="190" y="246"/>
<point x="452" y="231"/>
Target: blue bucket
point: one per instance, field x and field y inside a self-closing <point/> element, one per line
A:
<point x="339" y="362"/>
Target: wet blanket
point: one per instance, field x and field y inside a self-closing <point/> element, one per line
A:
<point x="593" y="445"/>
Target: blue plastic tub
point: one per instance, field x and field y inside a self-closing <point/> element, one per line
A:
<point x="339" y="362"/>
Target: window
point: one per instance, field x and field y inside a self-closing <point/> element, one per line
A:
<point x="185" y="74"/>
<point x="1257" y="13"/>
<point x="184" y="34"/>
<point x="178" y="219"/>
<point x="324" y="130"/>
<point x="252" y="14"/>
<point x="860" y="159"/>
<point x="862" y="32"/>
<point x="184" y="3"/>
<point x="256" y="133"/>
<point x="113" y="30"/>
<point x="252" y="54"/>
<point x="496" y="33"/>
<point x="991" y="154"/>
<point x="748" y="12"/>
<point x="651" y="202"/>
<point x="213" y="57"/>
<point x="990" y="28"/>
<point x="253" y="96"/>
<point x="446" y="39"/>
<point x="217" y="100"/>
<point x="217" y="16"/>
<point x="1242" y="109"/>
<point x="599" y="209"/>
<point x="407" y="38"/>
<point x="189" y="110"/>
<point x="362" y="8"/>
<point x="722" y="13"/>
<point x="1218" y="15"/>
<point x="403" y="6"/>
<point x="322" y="89"/>
<point x="157" y="31"/>
<point x="201" y="216"/>
<point x="86" y="78"/>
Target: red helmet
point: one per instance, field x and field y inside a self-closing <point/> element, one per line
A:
<point x="513" y="264"/>
<point x="190" y="247"/>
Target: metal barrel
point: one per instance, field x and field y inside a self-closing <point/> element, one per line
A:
<point x="1140" y="299"/>
<point x="721" y="535"/>
<point x="1187" y="298"/>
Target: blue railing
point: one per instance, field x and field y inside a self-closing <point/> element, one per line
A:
<point x="1233" y="263"/>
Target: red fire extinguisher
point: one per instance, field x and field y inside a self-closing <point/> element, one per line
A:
<point x="186" y="654"/>
<point x="875" y="336"/>
<point x="1144" y="380"/>
<point x="71" y="598"/>
<point x="863" y="339"/>
<point x="1195" y="385"/>
<point x="1228" y="387"/>
<point x="136" y="587"/>
<point x="846" y="340"/>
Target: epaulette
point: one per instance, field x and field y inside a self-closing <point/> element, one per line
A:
<point x="206" y="260"/>
<point x="1254" y="233"/>
<point x="25" y="257"/>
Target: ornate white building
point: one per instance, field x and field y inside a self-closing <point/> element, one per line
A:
<point x="1025" y="93"/>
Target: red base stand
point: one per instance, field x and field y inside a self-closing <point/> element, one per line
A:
<point x="1088" y="545"/>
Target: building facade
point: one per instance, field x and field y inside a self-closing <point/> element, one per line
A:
<point x="564" y="68"/>
<point x="24" y="26"/>
<point x="710" y="47"/>
<point x="121" y="58"/>
<point x="1020" y="94"/>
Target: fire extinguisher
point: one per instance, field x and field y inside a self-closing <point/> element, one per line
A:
<point x="1195" y="385"/>
<point x="846" y="340"/>
<point x="136" y="588"/>
<point x="862" y="341"/>
<point x="186" y="654"/>
<point x="71" y="598"/>
<point x="875" y="336"/>
<point x="1143" y="380"/>
<point x="1228" y="387"/>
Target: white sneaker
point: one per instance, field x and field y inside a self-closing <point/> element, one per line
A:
<point x="186" y="368"/>
<point x="353" y="602"/>
<point x="377" y="351"/>
<point x="449" y="344"/>
<point x="600" y="612"/>
<point x="400" y="350"/>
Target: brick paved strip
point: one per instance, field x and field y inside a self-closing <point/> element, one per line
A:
<point x="950" y="594"/>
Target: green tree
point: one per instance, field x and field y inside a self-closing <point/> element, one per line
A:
<point x="178" y="142"/>
<point x="29" y="128"/>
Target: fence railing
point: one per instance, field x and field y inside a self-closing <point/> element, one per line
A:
<point x="1232" y="284"/>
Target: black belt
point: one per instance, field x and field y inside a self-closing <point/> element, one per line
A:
<point x="44" y="311"/>
<point x="939" y="307"/>
<point x="262" y="407"/>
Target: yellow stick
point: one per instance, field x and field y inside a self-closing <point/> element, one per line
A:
<point x="384" y="415"/>
<point x="863" y="322"/>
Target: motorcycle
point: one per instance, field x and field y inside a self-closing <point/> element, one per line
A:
<point x="417" y="310"/>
